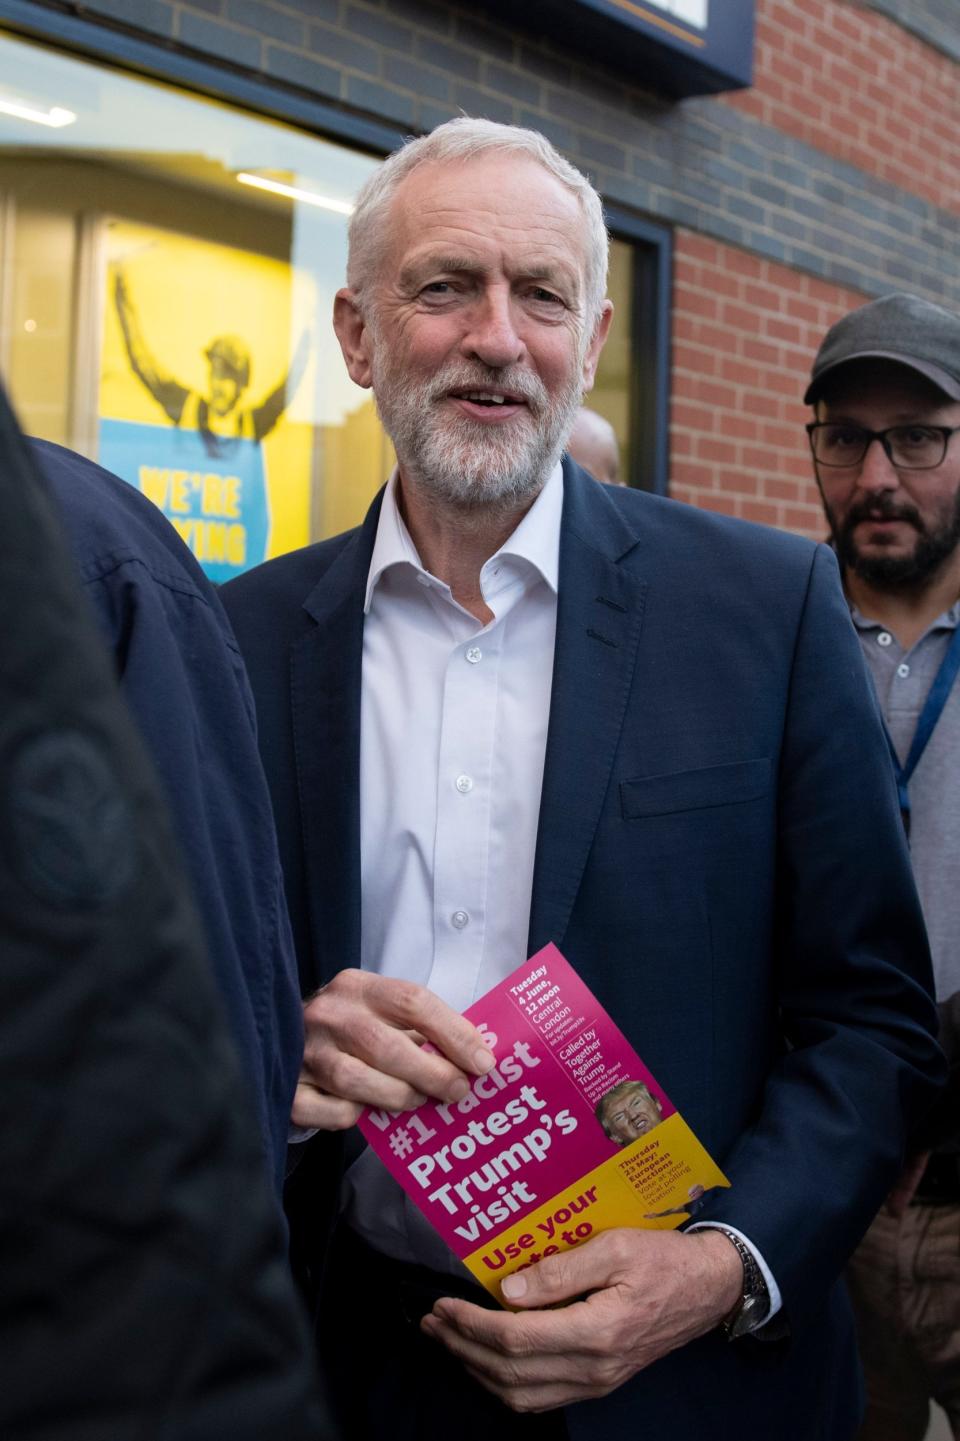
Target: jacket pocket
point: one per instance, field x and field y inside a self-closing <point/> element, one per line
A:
<point x="695" y="790"/>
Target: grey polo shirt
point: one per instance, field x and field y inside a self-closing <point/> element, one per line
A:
<point x="902" y="679"/>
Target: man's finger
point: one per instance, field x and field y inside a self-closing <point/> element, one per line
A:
<point x="414" y="1008"/>
<point x="337" y="1073"/>
<point x="591" y="1266"/>
<point x="524" y="1376"/>
<point x="316" y="1111"/>
<point x="379" y="1020"/>
<point x="516" y="1364"/>
<point x="518" y="1334"/>
<point x="399" y="1077"/>
<point x="373" y="1046"/>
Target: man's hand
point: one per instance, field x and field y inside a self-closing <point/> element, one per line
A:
<point x="364" y="1047"/>
<point x="649" y="1292"/>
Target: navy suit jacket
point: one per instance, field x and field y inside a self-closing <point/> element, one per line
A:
<point x="720" y="855"/>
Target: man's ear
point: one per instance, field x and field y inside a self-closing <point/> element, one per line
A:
<point x="351" y="329"/>
<point x="597" y="341"/>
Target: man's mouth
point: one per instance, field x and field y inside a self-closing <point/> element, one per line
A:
<point x="487" y="397"/>
<point x="882" y="518"/>
<point x="487" y="405"/>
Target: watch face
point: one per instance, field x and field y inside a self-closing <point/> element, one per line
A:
<point x="751" y="1313"/>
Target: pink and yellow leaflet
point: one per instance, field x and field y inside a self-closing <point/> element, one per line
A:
<point x="522" y="1168"/>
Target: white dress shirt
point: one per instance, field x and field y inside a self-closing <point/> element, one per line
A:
<point x="453" y="731"/>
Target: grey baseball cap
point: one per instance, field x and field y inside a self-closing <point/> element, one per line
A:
<point x="904" y="328"/>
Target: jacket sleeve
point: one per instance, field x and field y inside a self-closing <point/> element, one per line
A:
<point x="183" y="678"/>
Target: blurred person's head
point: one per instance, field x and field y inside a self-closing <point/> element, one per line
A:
<point x="229" y="362"/>
<point x="593" y="444"/>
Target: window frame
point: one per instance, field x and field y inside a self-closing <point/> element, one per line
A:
<point x="649" y="401"/>
<point x="649" y="397"/>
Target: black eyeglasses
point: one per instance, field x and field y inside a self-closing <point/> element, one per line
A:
<point x="908" y="447"/>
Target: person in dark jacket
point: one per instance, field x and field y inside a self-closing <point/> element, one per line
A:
<point x="146" y="1291"/>
<point x="184" y="681"/>
<point x="885" y="445"/>
<point x="518" y="706"/>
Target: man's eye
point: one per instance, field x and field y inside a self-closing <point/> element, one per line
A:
<point x="544" y="297"/>
<point x="841" y="436"/>
<point x="915" y="435"/>
<point x="438" y="287"/>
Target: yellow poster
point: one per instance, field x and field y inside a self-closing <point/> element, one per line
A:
<point x="202" y="365"/>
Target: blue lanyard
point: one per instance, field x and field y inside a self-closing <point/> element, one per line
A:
<point x="931" y="713"/>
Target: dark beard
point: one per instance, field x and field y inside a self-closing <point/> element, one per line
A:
<point x="896" y="572"/>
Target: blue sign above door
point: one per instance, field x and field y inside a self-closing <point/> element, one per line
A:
<point x="680" y="47"/>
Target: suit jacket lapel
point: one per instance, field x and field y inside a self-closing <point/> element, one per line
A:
<point x="325" y="677"/>
<point x="599" y="618"/>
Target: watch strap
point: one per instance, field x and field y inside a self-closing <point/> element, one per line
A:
<point x="754" y="1304"/>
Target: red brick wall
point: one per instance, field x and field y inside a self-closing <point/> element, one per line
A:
<point x="744" y="334"/>
<point x="853" y="84"/>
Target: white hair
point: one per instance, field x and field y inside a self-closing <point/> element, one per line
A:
<point x="463" y="139"/>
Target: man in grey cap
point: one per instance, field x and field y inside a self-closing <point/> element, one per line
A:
<point x="885" y="439"/>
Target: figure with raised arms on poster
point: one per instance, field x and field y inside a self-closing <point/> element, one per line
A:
<point x="218" y="416"/>
<point x="203" y="461"/>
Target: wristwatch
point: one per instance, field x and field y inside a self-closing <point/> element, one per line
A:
<point x="751" y="1310"/>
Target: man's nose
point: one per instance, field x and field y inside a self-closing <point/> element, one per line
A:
<point x="877" y="471"/>
<point x="492" y="335"/>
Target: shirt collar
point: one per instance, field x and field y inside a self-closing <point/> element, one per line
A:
<point x="535" y="542"/>
<point x="393" y="545"/>
<point x="948" y="620"/>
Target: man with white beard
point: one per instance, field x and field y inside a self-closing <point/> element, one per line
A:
<point x="507" y="710"/>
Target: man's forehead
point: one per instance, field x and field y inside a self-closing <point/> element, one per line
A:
<point x="462" y="227"/>
<point x="508" y="191"/>
<point x="635" y="1093"/>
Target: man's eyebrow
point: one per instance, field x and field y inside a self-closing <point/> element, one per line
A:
<point x="440" y="263"/>
<point x="559" y="277"/>
<point x="460" y="263"/>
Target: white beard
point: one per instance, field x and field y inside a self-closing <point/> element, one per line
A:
<point x="465" y="463"/>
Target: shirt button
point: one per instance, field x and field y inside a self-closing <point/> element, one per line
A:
<point x="474" y="654"/>
<point x="884" y="638"/>
<point x="459" y="919"/>
<point x="424" y="580"/>
<point x="464" y="784"/>
<point x="903" y="670"/>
